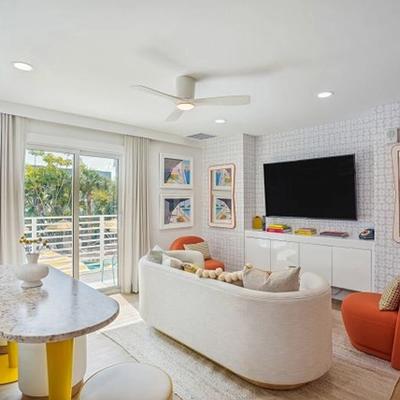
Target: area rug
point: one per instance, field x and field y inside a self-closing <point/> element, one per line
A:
<point x="353" y="376"/>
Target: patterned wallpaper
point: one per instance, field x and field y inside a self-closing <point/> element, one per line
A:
<point x="366" y="136"/>
<point x="337" y="138"/>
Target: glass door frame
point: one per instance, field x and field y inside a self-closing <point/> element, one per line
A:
<point x="76" y="154"/>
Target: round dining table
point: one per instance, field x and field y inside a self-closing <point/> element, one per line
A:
<point x="56" y="313"/>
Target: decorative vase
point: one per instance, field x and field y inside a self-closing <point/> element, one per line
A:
<point x="32" y="258"/>
<point x="31" y="274"/>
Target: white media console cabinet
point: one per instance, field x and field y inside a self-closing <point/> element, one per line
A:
<point x="345" y="263"/>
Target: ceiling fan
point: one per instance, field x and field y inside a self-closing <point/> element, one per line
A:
<point x="185" y="100"/>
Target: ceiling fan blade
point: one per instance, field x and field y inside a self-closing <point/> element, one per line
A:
<point x="155" y="92"/>
<point x="174" y="116"/>
<point x="223" y="101"/>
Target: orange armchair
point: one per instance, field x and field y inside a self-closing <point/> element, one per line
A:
<point x="178" y="244"/>
<point x="370" y="330"/>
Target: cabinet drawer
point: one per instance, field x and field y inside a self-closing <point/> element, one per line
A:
<point x="351" y="269"/>
<point x="257" y="252"/>
<point x="317" y="259"/>
<point x="284" y="254"/>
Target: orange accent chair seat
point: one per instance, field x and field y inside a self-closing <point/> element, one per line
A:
<point x="178" y="244"/>
<point x="370" y="330"/>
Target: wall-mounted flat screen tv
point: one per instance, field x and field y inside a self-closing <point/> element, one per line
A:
<point x="322" y="188"/>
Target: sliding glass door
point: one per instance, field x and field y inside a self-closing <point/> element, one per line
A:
<point x="98" y="221"/>
<point x="71" y="199"/>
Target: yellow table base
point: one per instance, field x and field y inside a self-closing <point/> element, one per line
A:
<point x="59" y="369"/>
<point x="9" y="364"/>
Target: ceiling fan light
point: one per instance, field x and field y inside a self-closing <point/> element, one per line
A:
<point x="325" y="95"/>
<point x="185" y="106"/>
<point x="22" y="66"/>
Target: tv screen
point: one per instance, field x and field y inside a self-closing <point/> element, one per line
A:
<point x="316" y="188"/>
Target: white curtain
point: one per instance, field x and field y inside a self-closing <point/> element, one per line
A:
<point x="12" y="155"/>
<point x="135" y="236"/>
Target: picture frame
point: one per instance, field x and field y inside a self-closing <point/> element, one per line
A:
<point x="222" y="207"/>
<point x="396" y="175"/>
<point x="222" y="176"/>
<point x="176" y="210"/>
<point x="176" y="171"/>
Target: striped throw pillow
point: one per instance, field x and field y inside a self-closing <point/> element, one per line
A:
<point x="202" y="247"/>
<point x="390" y="299"/>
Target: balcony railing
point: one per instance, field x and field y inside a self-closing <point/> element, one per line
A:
<point x="98" y="237"/>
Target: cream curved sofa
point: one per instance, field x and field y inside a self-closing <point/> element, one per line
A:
<point x="274" y="340"/>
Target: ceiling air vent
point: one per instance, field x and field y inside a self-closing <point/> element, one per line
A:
<point x="201" y="136"/>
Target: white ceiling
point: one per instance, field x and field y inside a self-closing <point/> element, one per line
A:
<point x="86" y="54"/>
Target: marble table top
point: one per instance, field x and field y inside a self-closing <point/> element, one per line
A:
<point x="61" y="309"/>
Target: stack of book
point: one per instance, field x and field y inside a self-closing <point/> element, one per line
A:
<point x="306" y="231"/>
<point x="335" y="234"/>
<point x="279" y="228"/>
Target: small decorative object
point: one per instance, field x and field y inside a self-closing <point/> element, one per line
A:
<point x="367" y="234"/>
<point x="176" y="211"/>
<point x="31" y="275"/>
<point x="222" y="212"/>
<point x="335" y="234"/>
<point x="257" y="222"/>
<point x="229" y="277"/>
<point x="33" y="247"/>
<point x="176" y="172"/>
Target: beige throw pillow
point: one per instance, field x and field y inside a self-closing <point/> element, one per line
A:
<point x="202" y="247"/>
<point x="287" y="280"/>
<point x="254" y="278"/>
<point x="390" y="299"/>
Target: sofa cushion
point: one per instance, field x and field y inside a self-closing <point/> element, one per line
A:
<point x="213" y="264"/>
<point x="171" y="261"/>
<point x="202" y="247"/>
<point x="287" y="280"/>
<point x="390" y="299"/>
<point x="155" y="256"/>
<point x="254" y="278"/>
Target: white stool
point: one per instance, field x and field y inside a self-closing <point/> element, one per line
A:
<point x="33" y="368"/>
<point x="128" y="381"/>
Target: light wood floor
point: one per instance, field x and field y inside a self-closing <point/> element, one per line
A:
<point x="103" y="352"/>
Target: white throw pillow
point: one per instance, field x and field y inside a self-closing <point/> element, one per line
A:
<point x="155" y="255"/>
<point x="171" y="262"/>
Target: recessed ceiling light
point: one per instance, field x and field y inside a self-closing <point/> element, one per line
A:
<point x="185" y="106"/>
<point x="22" y="66"/>
<point x="324" y="95"/>
<point x="220" y="121"/>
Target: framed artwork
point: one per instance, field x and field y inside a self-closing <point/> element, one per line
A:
<point x="176" y="211"/>
<point x="222" y="211"/>
<point x="222" y="177"/>
<point x="176" y="172"/>
<point x="396" y="175"/>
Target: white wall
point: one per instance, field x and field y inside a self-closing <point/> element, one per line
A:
<point x="164" y="237"/>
